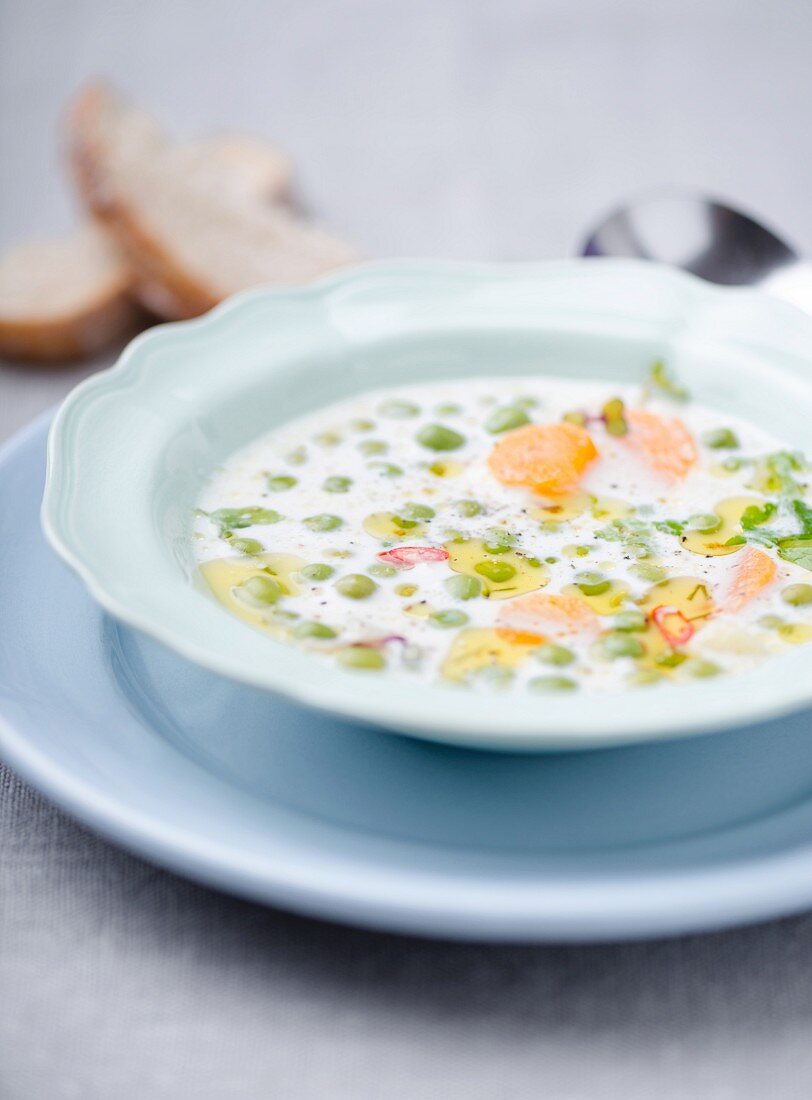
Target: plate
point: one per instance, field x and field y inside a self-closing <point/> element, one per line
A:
<point x="251" y="793"/>
<point x="131" y="447"/>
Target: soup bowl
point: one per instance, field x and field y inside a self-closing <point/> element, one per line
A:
<point x="132" y="446"/>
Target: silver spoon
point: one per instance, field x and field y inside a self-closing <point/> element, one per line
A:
<point x="706" y="237"/>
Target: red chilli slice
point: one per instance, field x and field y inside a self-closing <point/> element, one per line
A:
<point x="673" y="625"/>
<point x="407" y="557"/>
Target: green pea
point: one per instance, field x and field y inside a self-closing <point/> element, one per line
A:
<point x="670" y="658"/>
<point x="448" y="618"/>
<point x="770" y="622"/>
<point x="621" y="645"/>
<point x="436" y="437"/>
<point x="381" y="569"/>
<point x="552" y="683"/>
<point x="506" y="418"/>
<point x="229" y="519"/>
<point x="462" y="587"/>
<point x="629" y="621"/>
<point x="720" y="438"/>
<point x="362" y="657"/>
<point x="496" y="571"/>
<point x="323" y="522"/>
<point x="388" y="469"/>
<point x="260" y="590"/>
<point x="551" y="560"/>
<point x="468" y="508"/>
<point x="314" y="630"/>
<point x="327" y="439"/>
<point x="526" y="402"/>
<point x="582" y="551"/>
<point x="448" y="410"/>
<point x="798" y="595"/>
<point x="574" y="417"/>
<point x="371" y="447"/>
<point x="592" y="584"/>
<point x="399" y="410"/>
<point x="355" y="586"/>
<point x="317" y="572"/>
<point x="698" y="666"/>
<point x="246" y="546"/>
<point x="412" y="511"/>
<point x="643" y="677"/>
<point x="495" y="676"/>
<point x="280" y="615"/>
<point x="296" y="457"/>
<point x="362" y="425"/>
<point x="280" y="483"/>
<point x="498" y="541"/>
<point x="705" y="522"/>
<point x="647" y="572"/>
<point x="337" y="484"/>
<point x="552" y="654"/>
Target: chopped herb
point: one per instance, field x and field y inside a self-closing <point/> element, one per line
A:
<point x="660" y="380"/>
<point x="775" y="473"/>
<point x="797" y="551"/>
<point x="753" y="516"/>
<point x="670" y="526"/>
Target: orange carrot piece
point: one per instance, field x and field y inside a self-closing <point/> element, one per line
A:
<point x="548" y="458"/>
<point x="753" y="570"/>
<point x="548" y="613"/>
<point x="664" y="443"/>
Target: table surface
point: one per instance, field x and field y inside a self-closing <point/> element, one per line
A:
<point x="453" y="129"/>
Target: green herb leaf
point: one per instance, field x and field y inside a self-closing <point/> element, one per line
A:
<point x="670" y="526"/>
<point x="753" y="516"/>
<point x="804" y="514"/>
<point x="775" y="473"/>
<point x="797" y="550"/>
<point x="661" y="380"/>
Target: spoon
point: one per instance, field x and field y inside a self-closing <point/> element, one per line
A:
<point x="706" y="237"/>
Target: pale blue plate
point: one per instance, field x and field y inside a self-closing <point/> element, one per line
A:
<point x="246" y="791"/>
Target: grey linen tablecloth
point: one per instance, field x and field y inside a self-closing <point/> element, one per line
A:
<point x="467" y="130"/>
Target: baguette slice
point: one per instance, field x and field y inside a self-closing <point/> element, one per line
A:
<point x="190" y="242"/>
<point x="65" y="298"/>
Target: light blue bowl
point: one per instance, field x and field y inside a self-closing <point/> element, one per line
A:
<point x="130" y="448"/>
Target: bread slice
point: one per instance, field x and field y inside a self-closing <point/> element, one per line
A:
<point x="65" y="298"/>
<point x="189" y="241"/>
<point x="247" y="165"/>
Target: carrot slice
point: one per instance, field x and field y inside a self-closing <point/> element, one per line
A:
<point x="519" y="637"/>
<point x="665" y="443"/>
<point x="548" y="458"/>
<point x="753" y="570"/>
<point x="548" y="613"/>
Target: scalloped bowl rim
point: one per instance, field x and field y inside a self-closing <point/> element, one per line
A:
<point x="436" y="712"/>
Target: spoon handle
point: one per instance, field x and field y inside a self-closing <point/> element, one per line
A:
<point x="792" y="283"/>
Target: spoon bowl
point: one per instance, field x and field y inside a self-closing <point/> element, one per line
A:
<point x="706" y="237"/>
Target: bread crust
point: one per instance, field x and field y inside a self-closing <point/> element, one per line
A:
<point x="68" y="337"/>
<point x="162" y="282"/>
